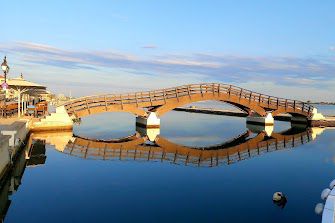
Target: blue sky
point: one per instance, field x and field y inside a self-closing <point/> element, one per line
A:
<point x="284" y="48"/>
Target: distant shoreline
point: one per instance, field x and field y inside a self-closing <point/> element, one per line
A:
<point x="322" y="103"/>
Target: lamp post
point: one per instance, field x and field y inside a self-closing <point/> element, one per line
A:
<point x="5" y="69"/>
<point x="4" y="85"/>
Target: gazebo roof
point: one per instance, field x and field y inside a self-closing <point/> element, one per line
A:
<point x="20" y="82"/>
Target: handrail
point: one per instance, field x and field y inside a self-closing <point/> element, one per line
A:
<point x="189" y="90"/>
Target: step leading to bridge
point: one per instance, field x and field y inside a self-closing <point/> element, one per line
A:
<point x="60" y="120"/>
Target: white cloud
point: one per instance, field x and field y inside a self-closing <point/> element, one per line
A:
<point x="151" y="46"/>
<point x="112" y="70"/>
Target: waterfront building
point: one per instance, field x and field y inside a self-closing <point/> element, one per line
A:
<point x="21" y="92"/>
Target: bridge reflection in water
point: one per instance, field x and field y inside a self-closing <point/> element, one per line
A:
<point x="137" y="147"/>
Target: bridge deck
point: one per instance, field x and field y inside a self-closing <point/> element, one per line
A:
<point x="164" y="100"/>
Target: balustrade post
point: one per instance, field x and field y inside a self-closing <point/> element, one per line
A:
<point x="136" y="99"/>
<point x="150" y="98"/>
<point x="177" y="94"/>
<point x="88" y="108"/>
<point x="277" y="103"/>
<point x="229" y="91"/>
<point x="106" y="103"/>
<point x="121" y="101"/>
<point x="164" y="96"/>
<point x="188" y="91"/>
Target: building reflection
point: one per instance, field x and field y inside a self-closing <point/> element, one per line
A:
<point x="32" y="155"/>
<point x="141" y="147"/>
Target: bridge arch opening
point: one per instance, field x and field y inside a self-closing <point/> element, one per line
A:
<point x="106" y="126"/>
<point x="216" y="104"/>
<point x="246" y="108"/>
<point x="193" y="129"/>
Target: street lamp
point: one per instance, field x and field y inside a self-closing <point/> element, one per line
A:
<point x="4" y="85"/>
<point x="5" y="69"/>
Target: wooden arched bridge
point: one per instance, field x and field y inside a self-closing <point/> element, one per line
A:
<point x="135" y="148"/>
<point x="164" y="100"/>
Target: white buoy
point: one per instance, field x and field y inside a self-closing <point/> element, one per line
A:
<point x="319" y="208"/>
<point x="332" y="184"/>
<point x="325" y="193"/>
<point x="278" y="196"/>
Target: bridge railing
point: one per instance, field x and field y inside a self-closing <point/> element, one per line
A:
<point x="186" y="90"/>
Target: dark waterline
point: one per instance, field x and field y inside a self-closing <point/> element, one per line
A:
<point x="70" y="189"/>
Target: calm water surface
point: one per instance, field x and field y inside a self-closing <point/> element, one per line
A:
<point x="72" y="189"/>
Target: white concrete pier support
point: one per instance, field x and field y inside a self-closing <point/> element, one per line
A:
<point x="152" y="121"/>
<point x="256" y="119"/>
<point x="151" y="133"/>
<point x="316" y="116"/>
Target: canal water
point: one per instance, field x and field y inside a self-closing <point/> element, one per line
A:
<point x="73" y="186"/>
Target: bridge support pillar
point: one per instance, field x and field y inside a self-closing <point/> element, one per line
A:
<point x="256" y="119"/>
<point x="152" y="121"/>
<point x="316" y="119"/>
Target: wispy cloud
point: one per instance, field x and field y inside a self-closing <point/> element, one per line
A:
<point x="299" y="71"/>
<point x="332" y="48"/>
<point x="150" y="46"/>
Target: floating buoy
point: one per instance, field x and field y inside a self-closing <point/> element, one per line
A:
<point x="325" y="193"/>
<point x="279" y="199"/>
<point x="319" y="208"/>
<point x="278" y="196"/>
